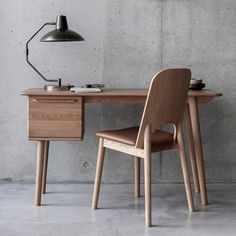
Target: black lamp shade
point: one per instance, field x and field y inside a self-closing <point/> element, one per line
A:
<point x="61" y="33"/>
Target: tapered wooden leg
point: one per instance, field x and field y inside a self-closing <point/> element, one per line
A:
<point x="45" y="166"/>
<point x="147" y="176"/>
<point x="137" y="176"/>
<point x="185" y="171"/>
<point x="98" y="176"/>
<point x="192" y="150"/>
<point x="193" y="105"/>
<point x="39" y="172"/>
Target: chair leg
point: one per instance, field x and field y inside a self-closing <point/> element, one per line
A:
<point x="137" y="176"/>
<point x="185" y="171"/>
<point x="39" y="172"/>
<point x="45" y="167"/>
<point x="98" y="176"/>
<point x="147" y="176"/>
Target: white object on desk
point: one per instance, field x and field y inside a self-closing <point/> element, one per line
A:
<point x="85" y="90"/>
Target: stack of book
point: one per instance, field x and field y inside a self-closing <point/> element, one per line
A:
<point x="88" y="88"/>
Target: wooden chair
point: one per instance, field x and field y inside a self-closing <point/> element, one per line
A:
<point x="165" y="104"/>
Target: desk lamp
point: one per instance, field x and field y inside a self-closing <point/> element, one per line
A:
<point x="60" y="34"/>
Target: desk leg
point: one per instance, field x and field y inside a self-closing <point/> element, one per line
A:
<point x="193" y="105"/>
<point x="137" y="176"/>
<point x="191" y="150"/>
<point x="45" y="167"/>
<point x="39" y="172"/>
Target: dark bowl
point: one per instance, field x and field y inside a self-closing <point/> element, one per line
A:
<point x="196" y="86"/>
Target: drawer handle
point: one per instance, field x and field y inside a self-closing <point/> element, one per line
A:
<point x="55" y="100"/>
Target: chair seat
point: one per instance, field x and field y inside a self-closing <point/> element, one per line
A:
<point x="129" y="135"/>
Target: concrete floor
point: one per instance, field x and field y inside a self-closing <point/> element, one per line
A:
<point x="66" y="210"/>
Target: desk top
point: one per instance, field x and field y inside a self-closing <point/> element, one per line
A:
<point x="105" y="92"/>
<point x="117" y="95"/>
<point x="113" y="92"/>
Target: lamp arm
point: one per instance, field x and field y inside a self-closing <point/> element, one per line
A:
<point x="27" y="52"/>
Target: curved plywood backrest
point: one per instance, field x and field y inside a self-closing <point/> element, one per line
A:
<point x="165" y="101"/>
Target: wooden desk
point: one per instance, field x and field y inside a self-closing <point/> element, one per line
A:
<point x="116" y="95"/>
<point x="59" y="116"/>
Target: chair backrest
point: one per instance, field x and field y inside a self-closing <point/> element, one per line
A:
<point x="165" y="102"/>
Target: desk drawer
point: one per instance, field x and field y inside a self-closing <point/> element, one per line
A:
<point x="55" y="117"/>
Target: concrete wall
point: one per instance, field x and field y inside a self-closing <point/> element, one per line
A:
<point x="126" y="42"/>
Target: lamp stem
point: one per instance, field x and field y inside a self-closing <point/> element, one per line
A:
<point x="27" y="52"/>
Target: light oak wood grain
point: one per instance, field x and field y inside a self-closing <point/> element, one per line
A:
<point x="100" y="161"/>
<point x="192" y="150"/>
<point x="185" y="171"/>
<point x="39" y="172"/>
<point x="121" y="147"/>
<point x="54" y="102"/>
<point x="55" y="114"/>
<point x="65" y="110"/>
<point x="55" y="139"/>
<point x="137" y="176"/>
<point x="116" y="95"/>
<point x="165" y="104"/>
<point x="55" y="117"/>
<point x="148" y="175"/>
<point x="59" y="129"/>
<point x="166" y="101"/>
<point x="198" y="148"/>
<point x="45" y="166"/>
